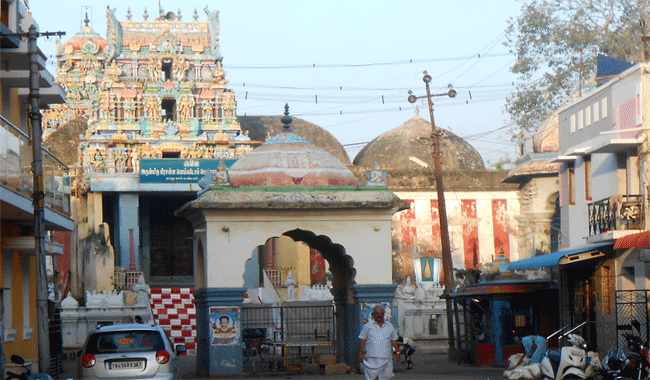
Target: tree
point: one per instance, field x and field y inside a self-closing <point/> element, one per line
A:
<point x="556" y="44"/>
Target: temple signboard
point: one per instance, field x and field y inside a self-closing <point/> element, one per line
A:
<point x="177" y="170"/>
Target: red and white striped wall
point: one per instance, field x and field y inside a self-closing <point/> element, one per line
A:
<point x="174" y="310"/>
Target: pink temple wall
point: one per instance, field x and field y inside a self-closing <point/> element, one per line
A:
<point x="501" y="238"/>
<point x="408" y="231"/>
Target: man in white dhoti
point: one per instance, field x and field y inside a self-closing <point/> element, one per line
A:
<point x="378" y="338"/>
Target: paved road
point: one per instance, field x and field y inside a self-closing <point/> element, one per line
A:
<point x="425" y="366"/>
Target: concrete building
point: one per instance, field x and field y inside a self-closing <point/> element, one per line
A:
<point x="18" y="321"/>
<point x="600" y="267"/>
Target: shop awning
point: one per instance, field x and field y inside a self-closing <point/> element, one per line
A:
<point x="505" y="287"/>
<point x="565" y="256"/>
<point x="640" y="240"/>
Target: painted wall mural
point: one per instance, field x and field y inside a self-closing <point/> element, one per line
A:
<point x="481" y="225"/>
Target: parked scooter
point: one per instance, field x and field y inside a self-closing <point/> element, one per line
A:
<point x="27" y="374"/>
<point x="568" y="363"/>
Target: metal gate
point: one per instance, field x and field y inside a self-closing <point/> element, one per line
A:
<point x="285" y="337"/>
<point x="631" y="305"/>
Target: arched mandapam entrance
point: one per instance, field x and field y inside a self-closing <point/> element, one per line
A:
<point x="340" y="275"/>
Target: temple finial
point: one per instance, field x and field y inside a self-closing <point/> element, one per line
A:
<point x="286" y="119"/>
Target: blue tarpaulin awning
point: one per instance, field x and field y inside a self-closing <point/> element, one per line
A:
<point x="565" y="256"/>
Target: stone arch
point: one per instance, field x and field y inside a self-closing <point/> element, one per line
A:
<point x="340" y="263"/>
<point x="551" y="200"/>
<point x="341" y="266"/>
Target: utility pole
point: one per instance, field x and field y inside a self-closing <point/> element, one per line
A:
<point x="442" y="210"/>
<point x="38" y="196"/>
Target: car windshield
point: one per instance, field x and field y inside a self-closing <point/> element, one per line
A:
<point x="124" y="341"/>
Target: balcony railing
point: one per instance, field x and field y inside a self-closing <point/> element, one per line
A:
<point x="619" y="212"/>
<point x="126" y="280"/>
<point x="16" y="160"/>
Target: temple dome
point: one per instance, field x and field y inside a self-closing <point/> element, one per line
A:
<point x="86" y="40"/>
<point x="547" y="138"/>
<point x="260" y="128"/>
<point x="289" y="160"/>
<point x="393" y="149"/>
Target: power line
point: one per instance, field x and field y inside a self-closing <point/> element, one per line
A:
<point x="365" y="64"/>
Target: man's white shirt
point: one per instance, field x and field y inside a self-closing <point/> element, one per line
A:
<point x="378" y="339"/>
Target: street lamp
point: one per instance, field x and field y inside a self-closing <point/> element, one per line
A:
<point x="442" y="211"/>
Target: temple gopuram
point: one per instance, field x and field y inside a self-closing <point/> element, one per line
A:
<point x="151" y="89"/>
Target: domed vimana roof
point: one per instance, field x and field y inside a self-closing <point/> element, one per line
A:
<point x="86" y="40"/>
<point x="287" y="159"/>
<point x="393" y="149"/>
<point x="547" y="138"/>
<point x="545" y="141"/>
<point x="260" y="128"/>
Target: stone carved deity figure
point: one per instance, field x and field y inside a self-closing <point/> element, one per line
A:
<point x="153" y="108"/>
<point x="290" y="283"/>
<point x="375" y="176"/>
<point x="217" y="74"/>
<point x="207" y="152"/>
<point x="206" y="111"/>
<point x="194" y="152"/>
<point x="120" y="160"/>
<point x="113" y="71"/>
<point x="185" y="105"/>
<point x="406" y="290"/>
<point x="129" y="109"/>
<point x="110" y="160"/>
<point x="221" y="176"/>
<point x="180" y="68"/>
<point x="152" y="69"/>
<point x="67" y="66"/>
<point x="146" y="151"/>
<point x="135" y="161"/>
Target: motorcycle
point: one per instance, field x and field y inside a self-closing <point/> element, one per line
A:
<point x="568" y="363"/>
<point x="629" y="362"/>
<point x="27" y="374"/>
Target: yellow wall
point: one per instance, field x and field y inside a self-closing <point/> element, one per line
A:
<point x="294" y="256"/>
<point x="25" y="348"/>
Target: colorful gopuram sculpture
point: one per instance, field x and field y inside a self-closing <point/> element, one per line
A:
<point x="151" y="89"/>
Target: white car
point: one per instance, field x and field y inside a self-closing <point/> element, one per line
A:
<point x="130" y="351"/>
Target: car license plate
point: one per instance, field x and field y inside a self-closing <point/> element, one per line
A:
<point x="126" y="365"/>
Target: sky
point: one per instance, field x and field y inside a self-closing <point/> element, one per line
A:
<point x="346" y="65"/>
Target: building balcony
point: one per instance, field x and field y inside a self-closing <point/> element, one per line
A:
<point x="615" y="217"/>
<point x="16" y="176"/>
